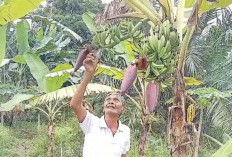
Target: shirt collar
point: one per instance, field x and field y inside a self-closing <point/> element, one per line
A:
<point x="104" y="125"/>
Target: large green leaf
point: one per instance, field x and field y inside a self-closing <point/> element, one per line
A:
<point x="19" y="59"/>
<point x="22" y="37"/>
<point x="210" y="92"/>
<point x="110" y="71"/>
<point x="225" y="150"/>
<point x="68" y="92"/>
<point x="88" y="19"/>
<point x="54" y="83"/>
<point x="44" y="42"/>
<point x="38" y="69"/>
<point x="16" y="9"/>
<point x="16" y="100"/>
<point x="206" y="5"/>
<point x="128" y="48"/>
<point x="2" y="43"/>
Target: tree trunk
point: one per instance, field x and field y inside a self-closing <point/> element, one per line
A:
<point x="178" y="138"/>
<point x="50" y="139"/>
<point x="144" y="135"/>
<point x="2" y="118"/>
<point x="198" y="134"/>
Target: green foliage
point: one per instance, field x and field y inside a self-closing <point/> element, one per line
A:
<point x="22" y="37"/>
<point x="88" y="19"/>
<point x="38" y="69"/>
<point x="69" y="139"/>
<point x="2" y="43"/>
<point x="225" y="150"/>
<point x="69" y="13"/>
<point x="207" y="5"/>
<point x="16" y="9"/>
<point x="16" y="100"/>
<point x="7" y="142"/>
<point x="157" y="147"/>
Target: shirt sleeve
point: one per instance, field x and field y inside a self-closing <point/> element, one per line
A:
<point x="85" y="125"/>
<point x="127" y="143"/>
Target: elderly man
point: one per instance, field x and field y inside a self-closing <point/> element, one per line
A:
<point x="105" y="136"/>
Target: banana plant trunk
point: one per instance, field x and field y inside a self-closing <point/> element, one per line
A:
<point x="178" y="138"/>
<point x="2" y="118"/>
<point x="51" y="139"/>
<point x="144" y="135"/>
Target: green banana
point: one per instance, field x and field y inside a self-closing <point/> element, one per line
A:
<point x="157" y="66"/>
<point x="168" y="46"/>
<point x="117" y="33"/>
<point x="162" y="52"/>
<point x="137" y="34"/>
<point x="153" y="41"/>
<point x="156" y="72"/>
<point x="161" y="43"/>
<point x="163" y="71"/>
<point x="167" y="55"/>
<point x="173" y="39"/>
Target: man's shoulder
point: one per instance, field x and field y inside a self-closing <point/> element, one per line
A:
<point x="125" y="128"/>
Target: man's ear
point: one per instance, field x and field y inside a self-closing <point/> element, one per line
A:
<point x="123" y="108"/>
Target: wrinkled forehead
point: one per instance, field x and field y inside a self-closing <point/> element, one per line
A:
<point x="113" y="93"/>
<point x="117" y="95"/>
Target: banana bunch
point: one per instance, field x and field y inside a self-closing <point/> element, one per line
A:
<point x="100" y="39"/>
<point x="160" y="47"/>
<point x="113" y="35"/>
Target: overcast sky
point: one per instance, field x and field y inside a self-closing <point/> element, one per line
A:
<point x="106" y="1"/>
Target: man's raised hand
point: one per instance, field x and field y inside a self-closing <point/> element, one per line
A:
<point x="90" y="63"/>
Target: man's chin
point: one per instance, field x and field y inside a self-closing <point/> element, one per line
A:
<point x="111" y="112"/>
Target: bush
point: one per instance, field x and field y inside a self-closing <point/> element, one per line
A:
<point x="7" y="141"/>
<point x="69" y="139"/>
<point x="157" y="147"/>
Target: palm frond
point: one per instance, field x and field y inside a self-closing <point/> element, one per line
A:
<point x="194" y="62"/>
<point x="220" y="113"/>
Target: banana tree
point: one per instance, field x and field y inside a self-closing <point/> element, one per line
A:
<point x="151" y="58"/>
<point x="10" y="11"/>
<point x="30" y="56"/>
<point x="176" y="132"/>
<point x="50" y="105"/>
<point x="205" y="97"/>
<point x="177" y="135"/>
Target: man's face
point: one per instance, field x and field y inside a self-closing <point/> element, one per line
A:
<point x="113" y="104"/>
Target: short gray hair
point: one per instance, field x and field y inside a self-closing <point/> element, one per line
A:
<point x="119" y="94"/>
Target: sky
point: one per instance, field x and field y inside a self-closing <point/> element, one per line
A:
<point x="106" y="1"/>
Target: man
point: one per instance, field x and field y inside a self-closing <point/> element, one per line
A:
<point x="105" y="136"/>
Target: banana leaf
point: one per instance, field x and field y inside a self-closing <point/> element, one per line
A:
<point x="16" y="100"/>
<point x="225" y="150"/>
<point x="15" y="9"/>
<point x="2" y="43"/>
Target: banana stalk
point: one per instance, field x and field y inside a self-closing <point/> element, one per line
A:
<point x="153" y="16"/>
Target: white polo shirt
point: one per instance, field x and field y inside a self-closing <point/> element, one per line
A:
<point x="99" y="140"/>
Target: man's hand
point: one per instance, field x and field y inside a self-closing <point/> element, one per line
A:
<point x="90" y="63"/>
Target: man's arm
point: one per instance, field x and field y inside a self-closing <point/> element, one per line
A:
<point x="123" y="155"/>
<point x="90" y="64"/>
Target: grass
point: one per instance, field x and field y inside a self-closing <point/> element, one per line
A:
<point x="25" y="139"/>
